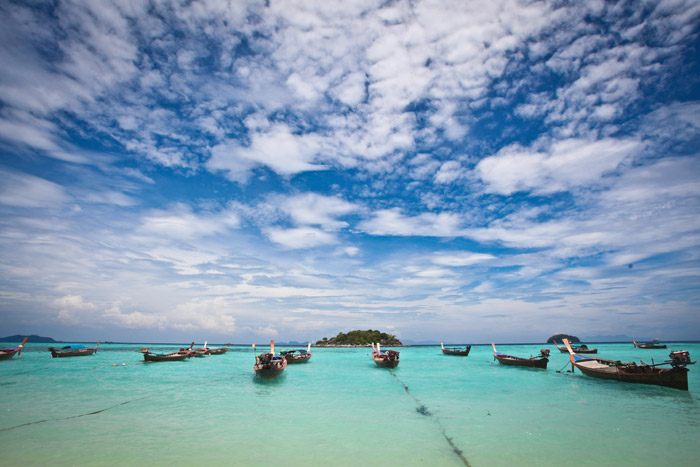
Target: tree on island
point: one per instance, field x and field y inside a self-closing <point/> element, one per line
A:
<point x="360" y="338"/>
<point x="560" y="337"/>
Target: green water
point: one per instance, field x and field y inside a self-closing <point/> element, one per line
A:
<point x="340" y="409"/>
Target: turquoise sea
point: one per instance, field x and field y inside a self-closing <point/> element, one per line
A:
<point x="340" y="409"/>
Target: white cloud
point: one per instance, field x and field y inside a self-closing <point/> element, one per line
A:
<point x="181" y="222"/>
<point x="315" y="209"/>
<point x="566" y="165"/>
<point x="27" y="191"/>
<point x="301" y="237"/>
<point x="208" y="314"/>
<point x="393" y="222"/>
<point x="74" y="310"/>
<point x="449" y="172"/>
<point x="460" y="259"/>
<point x="111" y="197"/>
<point x="134" y="319"/>
<point x="276" y="147"/>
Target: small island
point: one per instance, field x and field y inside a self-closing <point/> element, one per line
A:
<point x="560" y="337"/>
<point x="360" y="339"/>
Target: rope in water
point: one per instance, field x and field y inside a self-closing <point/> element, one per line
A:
<point x="423" y="410"/>
<point x="101" y="410"/>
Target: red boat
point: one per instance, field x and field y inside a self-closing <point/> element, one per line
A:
<point x="539" y="361"/>
<point x="463" y="352"/>
<point x="200" y="353"/>
<point x="649" y="345"/>
<point x="180" y="355"/>
<point x="583" y="348"/>
<point x="297" y="356"/>
<point x="269" y="365"/>
<point x="218" y="351"/>
<point x="77" y="350"/>
<point x="6" y="354"/>
<point x="385" y="358"/>
<point x="671" y="374"/>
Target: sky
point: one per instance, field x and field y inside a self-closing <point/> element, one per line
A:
<point x="241" y="171"/>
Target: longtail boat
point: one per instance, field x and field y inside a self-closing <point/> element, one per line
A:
<point x="539" y="361"/>
<point x="200" y="353"/>
<point x="269" y="365"/>
<point x="218" y="351"/>
<point x="463" y="352"/>
<point x="6" y="354"/>
<point x="180" y="355"/>
<point x="385" y="358"/>
<point x="671" y="373"/>
<point x="583" y="348"/>
<point x="649" y="345"/>
<point x="297" y="356"/>
<point x="77" y="350"/>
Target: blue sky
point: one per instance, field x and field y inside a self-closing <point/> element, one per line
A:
<point x="442" y="170"/>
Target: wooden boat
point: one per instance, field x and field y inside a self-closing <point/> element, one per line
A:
<point x="218" y="351"/>
<point x="200" y="353"/>
<point x="269" y="365"/>
<point x="385" y="358"/>
<point x="671" y="373"/>
<point x="297" y="356"/>
<point x="180" y="355"/>
<point x="649" y="345"/>
<point x="77" y="350"/>
<point x="540" y="361"/>
<point x="583" y="348"/>
<point x="456" y="350"/>
<point x="6" y="354"/>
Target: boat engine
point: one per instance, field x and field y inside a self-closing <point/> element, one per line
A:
<point x="544" y="353"/>
<point x="680" y="358"/>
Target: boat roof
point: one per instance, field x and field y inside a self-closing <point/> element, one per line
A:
<point x="76" y="346"/>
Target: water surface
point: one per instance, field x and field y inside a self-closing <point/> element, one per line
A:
<point x="340" y="409"/>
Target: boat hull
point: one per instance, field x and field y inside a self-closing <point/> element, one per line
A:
<point x="6" y="355"/>
<point x="268" y="373"/>
<point x="173" y="357"/>
<point x="460" y="353"/>
<point x="509" y="360"/>
<point x="674" y="377"/>
<point x="73" y="353"/>
<point x="384" y="363"/>
<point x="291" y="360"/>
<point x="269" y="366"/>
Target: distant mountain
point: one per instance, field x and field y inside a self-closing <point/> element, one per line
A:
<point x="33" y="339"/>
<point x="410" y="342"/>
<point x="617" y="338"/>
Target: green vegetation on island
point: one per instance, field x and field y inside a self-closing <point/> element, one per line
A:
<point x="360" y="338"/>
<point x="559" y="337"/>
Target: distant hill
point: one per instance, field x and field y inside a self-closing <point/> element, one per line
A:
<point x="615" y="338"/>
<point x="360" y="338"/>
<point x="32" y="339"/>
<point x="559" y="337"/>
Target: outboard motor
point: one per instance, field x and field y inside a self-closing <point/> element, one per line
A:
<point x="680" y="358"/>
<point x="544" y="353"/>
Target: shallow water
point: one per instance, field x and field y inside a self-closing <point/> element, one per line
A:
<point x="340" y="408"/>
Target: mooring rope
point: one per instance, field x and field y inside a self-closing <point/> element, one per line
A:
<point x="105" y="409"/>
<point x="423" y="410"/>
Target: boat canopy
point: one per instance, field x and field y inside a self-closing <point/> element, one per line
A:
<point x="77" y="346"/>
